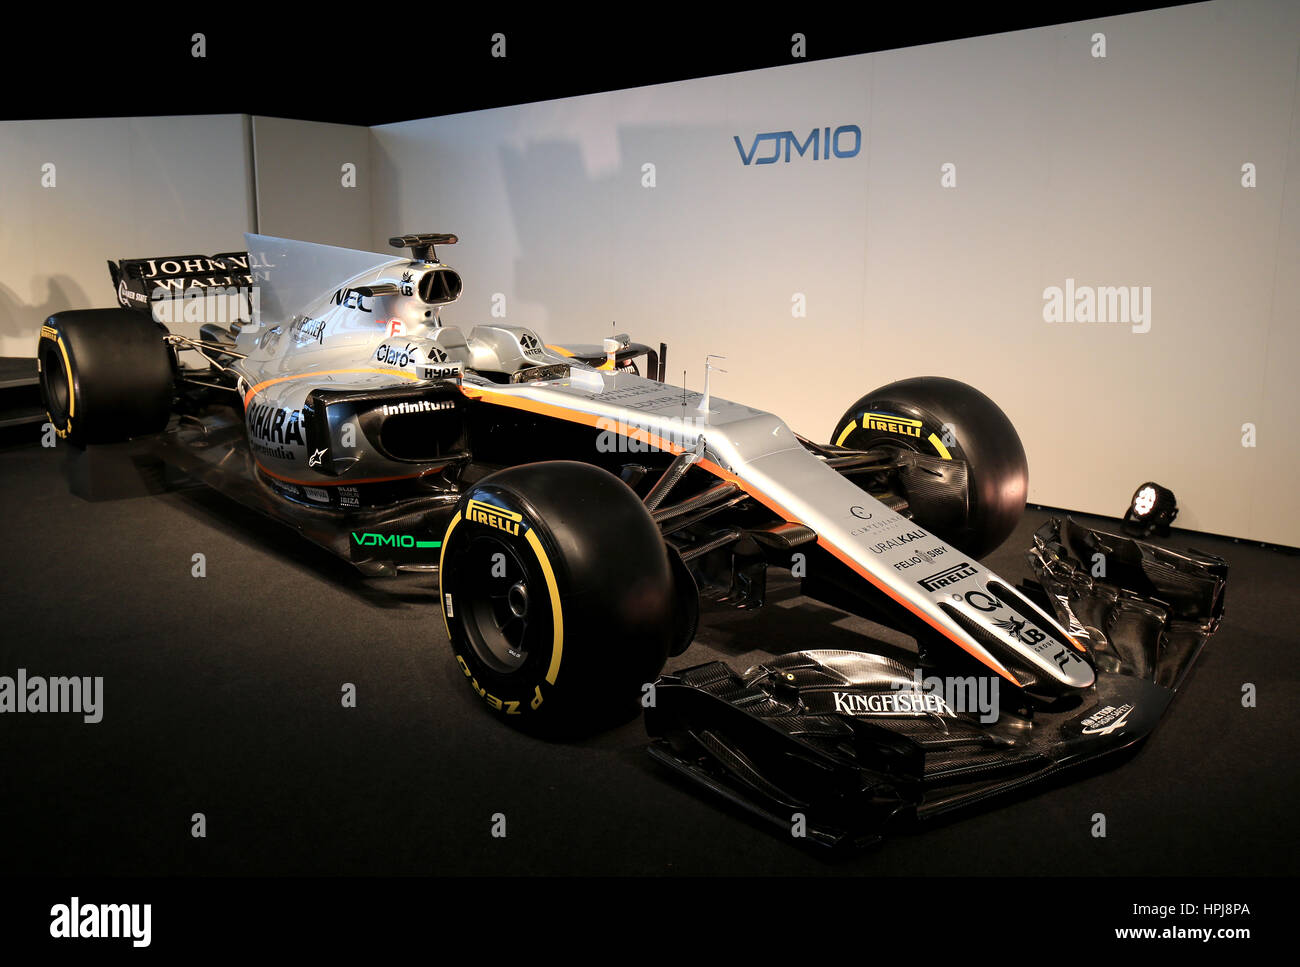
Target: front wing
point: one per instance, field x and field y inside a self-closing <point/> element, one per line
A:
<point x="847" y="746"/>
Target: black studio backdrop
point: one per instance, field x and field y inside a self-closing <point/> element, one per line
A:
<point x="382" y="63"/>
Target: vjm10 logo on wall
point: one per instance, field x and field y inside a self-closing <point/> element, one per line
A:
<point x="844" y="141"/>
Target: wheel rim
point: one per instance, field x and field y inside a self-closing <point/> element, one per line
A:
<point x="501" y="619"/>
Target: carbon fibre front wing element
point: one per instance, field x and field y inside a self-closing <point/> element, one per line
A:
<point x="846" y="746"/>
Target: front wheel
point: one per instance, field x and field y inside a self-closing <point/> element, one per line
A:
<point x="558" y="595"/>
<point x="953" y="421"/>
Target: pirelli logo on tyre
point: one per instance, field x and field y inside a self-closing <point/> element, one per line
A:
<point x="948" y="576"/>
<point x="891" y="424"/>
<point x="501" y="519"/>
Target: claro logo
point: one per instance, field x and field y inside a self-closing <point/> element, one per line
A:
<point x="823" y="143"/>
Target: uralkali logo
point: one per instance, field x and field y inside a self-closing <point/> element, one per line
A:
<point x="820" y="144"/>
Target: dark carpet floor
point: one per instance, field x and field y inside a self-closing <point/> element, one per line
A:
<point x="222" y="696"/>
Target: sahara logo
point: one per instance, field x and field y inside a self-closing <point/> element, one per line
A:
<point x="274" y="424"/>
<point x="501" y="519"/>
<point x="891" y="424"/>
<point x="844" y="142"/>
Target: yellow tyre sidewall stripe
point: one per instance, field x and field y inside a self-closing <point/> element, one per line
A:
<point x="557" y="616"/>
<point x="853" y="425"/>
<point x="442" y="557"/>
<point x="552" y="587"/>
<point x="56" y="337"/>
<point x="939" y="447"/>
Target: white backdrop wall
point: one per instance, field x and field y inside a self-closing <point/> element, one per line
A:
<point x="1125" y="170"/>
<point x="313" y="181"/>
<point x="141" y="187"/>
<point x="119" y="188"/>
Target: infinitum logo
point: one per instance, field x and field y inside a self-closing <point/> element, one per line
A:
<point x="102" y="921"/>
<point x="418" y="406"/>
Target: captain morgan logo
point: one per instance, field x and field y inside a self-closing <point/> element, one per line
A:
<point x="501" y="519"/>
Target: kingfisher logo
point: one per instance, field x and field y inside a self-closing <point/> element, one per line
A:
<point x="823" y="144"/>
<point x="890" y="703"/>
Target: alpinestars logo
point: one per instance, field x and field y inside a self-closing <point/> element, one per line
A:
<point x="1107" y="720"/>
<point x="951" y="575"/>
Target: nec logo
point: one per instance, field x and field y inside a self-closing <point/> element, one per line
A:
<point x="844" y="142"/>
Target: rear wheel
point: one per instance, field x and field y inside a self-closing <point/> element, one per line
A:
<point x="953" y="421"/>
<point x="106" y="375"/>
<point x="558" y="595"/>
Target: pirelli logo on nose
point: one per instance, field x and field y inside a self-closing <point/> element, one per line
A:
<point x="891" y="424"/>
<point x="958" y="572"/>
<point x="502" y="520"/>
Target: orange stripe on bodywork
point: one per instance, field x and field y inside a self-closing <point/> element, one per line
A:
<point x="324" y="372"/>
<point x="560" y="413"/>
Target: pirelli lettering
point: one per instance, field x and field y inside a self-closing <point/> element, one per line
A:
<point x="892" y="424"/>
<point x="948" y="576"/>
<point x="501" y="519"/>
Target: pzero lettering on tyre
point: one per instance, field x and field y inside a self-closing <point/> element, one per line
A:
<point x="557" y="593"/>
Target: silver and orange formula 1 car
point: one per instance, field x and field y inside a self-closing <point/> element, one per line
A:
<point x="575" y="508"/>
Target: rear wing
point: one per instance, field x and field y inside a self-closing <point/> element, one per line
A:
<point x="138" y="281"/>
